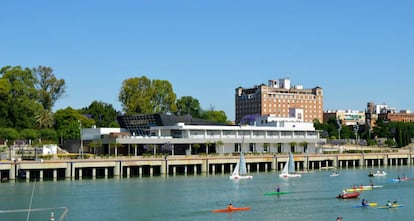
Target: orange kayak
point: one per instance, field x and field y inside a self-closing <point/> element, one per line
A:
<point x="231" y="210"/>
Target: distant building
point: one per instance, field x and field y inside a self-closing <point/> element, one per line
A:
<point x="382" y="111"/>
<point x="347" y="117"/>
<point x="276" y="98"/>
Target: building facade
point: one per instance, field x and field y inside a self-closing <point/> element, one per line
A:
<point x="268" y="134"/>
<point x="276" y="98"/>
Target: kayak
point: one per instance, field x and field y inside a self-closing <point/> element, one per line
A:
<point x="390" y="207"/>
<point x="348" y="195"/>
<point x="358" y="189"/>
<point x="274" y="193"/>
<point x="372" y="204"/>
<point x="227" y="210"/>
<point x="374" y="186"/>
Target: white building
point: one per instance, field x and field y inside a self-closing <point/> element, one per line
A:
<point x="268" y="134"/>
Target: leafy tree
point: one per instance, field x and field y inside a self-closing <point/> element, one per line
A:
<point x="163" y="97"/>
<point x="18" y="98"/>
<point x="68" y="122"/>
<point x="213" y="115"/>
<point x="135" y="95"/>
<point x="48" y="135"/>
<point x="188" y="105"/>
<point x="143" y="96"/>
<point x="29" y="134"/>
<point x="9" y="134"/>
<point x="50" y="88"/>
<point x="104" y="114"/>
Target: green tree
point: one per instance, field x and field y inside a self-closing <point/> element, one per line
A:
<point x="18" y="98"/>
<point x="9" y="134"/>
<point x="213" y="115"/>
<point x="188" y="105"/>
<point x="140" y="95"/>
<point x="135" y="95"/>
<point x="48" y="135"/>
<point x="163" y="97"/>
<point x="50" y="88"/>
<point x="68" y="122"/>
<point x="103" y="114"/>
<point x="30" y="134"/>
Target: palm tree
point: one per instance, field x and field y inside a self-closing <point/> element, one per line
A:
<point x="44" y="119"/>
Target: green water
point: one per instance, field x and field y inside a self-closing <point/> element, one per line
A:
<point x="311" y="197"/>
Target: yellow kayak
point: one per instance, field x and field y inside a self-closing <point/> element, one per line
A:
<point x="358" y="189"/>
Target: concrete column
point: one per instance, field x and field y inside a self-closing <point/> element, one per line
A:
<point x="258" y="167"/>
<point x="94" y="173"/>
<point x="27" y="175"/>
<point x="128" y="172"/>
<point x="80" y="173"/>
<point x="106" y="172"/>
<point x="117" y="168"/>
<point x="214" y="169"/>
<point x="222" y="168"/>
<point x="73" y="173"/>
<point x="164" y="167"/>
<point x="41" y="175"/>
<point x="174" y="170"/>
<point x="248" y="168"/>
<point x="306" y="162"/>
<point x="231" y="168"/>
<point x="136" y="148"/>
<point x="409" y="163"/>
<point x="12" y="175"/>
<point x="362" y="160"/>
<point x="320" y="164"/>
<point x="266" y="167"/>
<point x="195" y="170"/>
<point x="54" y="174"/>
<point x="204" y="166"/>
<point x="385" y="160"/>
<point x="185" y="170"/>
<point x="151" y="171"/>
<point x="68" y="170"/>
<point x="140" y="171"/>
<point x="274" y="163"/>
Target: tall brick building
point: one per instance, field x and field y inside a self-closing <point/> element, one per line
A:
<point x="276" y="98"/>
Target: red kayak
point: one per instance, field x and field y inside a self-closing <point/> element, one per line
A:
<point x="348" y="195"/>
<point x="227" y="210"/>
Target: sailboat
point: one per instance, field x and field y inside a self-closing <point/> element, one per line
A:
<point x="240" y="171"/>
<point x="289" y="169"/>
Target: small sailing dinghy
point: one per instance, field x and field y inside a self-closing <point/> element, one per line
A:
<point x="289" y="169"/>
<point x="240" y="171"/>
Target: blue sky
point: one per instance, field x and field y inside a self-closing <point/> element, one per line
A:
<point x="357" y="51"/>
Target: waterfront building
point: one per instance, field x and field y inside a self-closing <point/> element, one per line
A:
<point x="347" y="117"/>
<point x="265" y="134"/>
<point x="276" y="98"/>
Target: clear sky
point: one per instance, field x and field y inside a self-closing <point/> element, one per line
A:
<point x="357" y="51"/>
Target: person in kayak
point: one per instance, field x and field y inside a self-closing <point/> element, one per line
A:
<point x="278" y="188"/>
<point x="364" y="202"/>
<point x="230" y="206"/>
<point x="389" y="204"/>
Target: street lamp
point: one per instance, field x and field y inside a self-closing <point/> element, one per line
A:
<point x="81" y="140"/>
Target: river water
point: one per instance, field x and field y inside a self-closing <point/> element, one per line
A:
<point x="311" y="197"/>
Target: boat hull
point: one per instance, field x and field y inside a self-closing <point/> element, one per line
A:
<point x="239" y="177"/>
<point x="348" y="195"/>
<point x="231" y="210"/>
<point x="274" y="193"/>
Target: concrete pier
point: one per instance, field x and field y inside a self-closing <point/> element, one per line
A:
<point x="187" y="165"/>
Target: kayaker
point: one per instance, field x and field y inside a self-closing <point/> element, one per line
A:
<point x="278" y="188"/>
<point x="230" y="206"/>
<point x="389" y="204"/>
<point x="364" y="202"/>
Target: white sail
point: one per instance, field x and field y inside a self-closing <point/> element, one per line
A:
<point x="236" y="169"/>
<point x="243" y="169"/>
<point x="240" y="171"/>
<point x="289" y="168"/>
